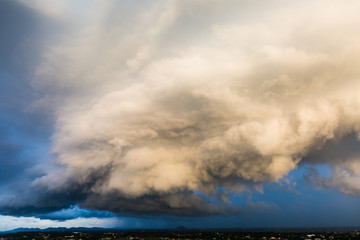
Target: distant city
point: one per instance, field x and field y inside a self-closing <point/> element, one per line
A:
<point x="180" y="233"/>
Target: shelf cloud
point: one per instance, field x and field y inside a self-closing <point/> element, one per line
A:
<point x="170" y="107"/>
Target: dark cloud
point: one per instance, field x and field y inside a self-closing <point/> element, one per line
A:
<point x="334" y="151"/>
<point x="58" y="203"/>
<point x="74" y="212"/>
<point x="11" y="160"/>
<point x="24" y="130"/>
<point x="342" y="158"/>
<point x="17" y="24"/>
<point x="183" y="203"/>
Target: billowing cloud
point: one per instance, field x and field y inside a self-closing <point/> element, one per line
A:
<point x="166" y="107"/>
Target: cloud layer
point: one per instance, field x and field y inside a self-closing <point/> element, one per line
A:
<point x="169" y="107"/>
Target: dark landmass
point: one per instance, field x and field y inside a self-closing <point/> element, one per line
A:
<point x="181" y="233"/>
<point x="184" y="229"/>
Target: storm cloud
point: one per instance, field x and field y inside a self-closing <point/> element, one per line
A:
<point x="170" y="107"/>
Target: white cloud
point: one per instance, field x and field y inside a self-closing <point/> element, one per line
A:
<point x="10" y="222"/>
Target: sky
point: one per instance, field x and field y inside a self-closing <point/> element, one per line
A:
<point x="156" y="114"/>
